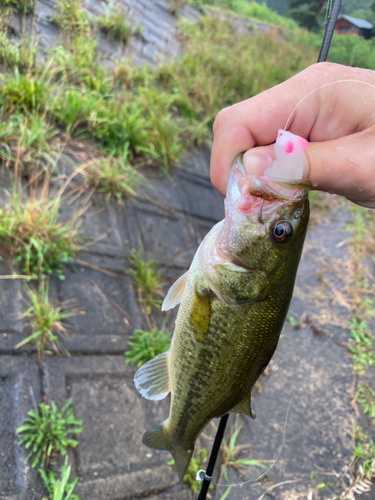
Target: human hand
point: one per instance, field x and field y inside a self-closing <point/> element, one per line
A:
<point x="338" y="120"/>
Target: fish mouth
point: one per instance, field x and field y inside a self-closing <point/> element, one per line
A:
<point x="263" y="195"/>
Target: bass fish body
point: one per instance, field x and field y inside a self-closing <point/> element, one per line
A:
<point x="233" y="303"/>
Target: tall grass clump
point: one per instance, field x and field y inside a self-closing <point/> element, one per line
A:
<point x="254" y="10"/>
<point x="37" y="241"/>
<point x="114" y="22"/>
<point x="220" y="67"/>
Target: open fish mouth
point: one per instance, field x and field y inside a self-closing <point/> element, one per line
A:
<point x="265" y="194"/>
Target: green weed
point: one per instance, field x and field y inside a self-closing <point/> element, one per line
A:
<point x="360" y="345"/>
<point x="147" y="279"/>
<point x="45" y="321"/>
<point x="115" y="22"/>
<point x="48" y="431"/>
<point x="26" y="93"/>
<point x="231" y="452"/>
<point x="21" y="6"/>
<point x="145" y="345"/>
<point x="9" y="55"/>
<point x="114" y="177"/>
<point x="71" y="18"/>
<point x="220" y="67"/>
<point x="365" y="452"/>
<point x="59" y="488"/>
<point x="40" y="244"/>
<point x="197" y="462"/>
<point x="365" y="396"/>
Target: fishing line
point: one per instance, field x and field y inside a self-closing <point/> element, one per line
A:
<point x="321" y="87"/>
<point x="259" y="476"/>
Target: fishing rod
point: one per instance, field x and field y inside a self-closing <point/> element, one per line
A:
<point x="206" y="476"/>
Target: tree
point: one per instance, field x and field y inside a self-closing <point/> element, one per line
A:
<point x="306" y="12"/>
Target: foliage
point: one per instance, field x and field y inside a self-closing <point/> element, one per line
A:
<point x="365" y="452"/>
<point x="70" y="17"/>
<point x="197" y="462"/>
<point x="24" y="92"/>
<point x="147" y="279"/>
<point x="49" y="430"/>
<point x="21" y="6"/>
<point x="360" y="345"/>
<point x="144" y="345"/>
<point x="231" y="452"/>
<point x="254" y="10"/>
<point x="39" y="243"/>
<point x="45" y="321"/>
<point x="59" y="488"/>
<point x="9" y="56"/>
<point x="353" y="51"/>
<point x="113" y="176"/>
<point x="306" y="13"/>
<point x="220" y="67"/>
<point x="115" y="22"/>
<point x="365" y="396"/>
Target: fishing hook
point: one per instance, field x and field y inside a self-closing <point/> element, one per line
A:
<point x="260" y="212"/>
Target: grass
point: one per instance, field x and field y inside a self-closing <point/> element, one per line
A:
<point x="197" y="462"/>
<point x="45" y="321"/>
<point x="48" y="431"/>
<point x="115" y="22"/>
<point x="365" y="396"/>
<point x="21" y="6"/>
<point x="71" y="18"/>
<point x="360" y="346"/>
<point x="114" y="177"/>
<point x="231" y="455"/>
<point x="34" y="237"/>
<point x="145" y="345"/>
<point x="147" y="279"/>
<point x="220" y="67"/>
<point x="59" y="488"/>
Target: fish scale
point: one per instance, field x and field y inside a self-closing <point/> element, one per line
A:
<point x="233" y="303"/>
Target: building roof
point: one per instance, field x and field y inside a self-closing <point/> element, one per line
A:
<point x="360" y="23"/>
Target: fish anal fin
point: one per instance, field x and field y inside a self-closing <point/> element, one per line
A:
<point x="152" y="379"/>
<point x="175" y="293"/>
<point x="200" y="315"/>
<point x="158" y="438"/>
<point x="244" y="408"/>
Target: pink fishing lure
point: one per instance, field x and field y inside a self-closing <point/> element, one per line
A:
<point x="289" y="160"/>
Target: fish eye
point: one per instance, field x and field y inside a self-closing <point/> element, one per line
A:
<point x="281" y="231"/>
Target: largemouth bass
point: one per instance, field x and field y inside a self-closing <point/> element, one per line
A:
<point x="233" y="303"/>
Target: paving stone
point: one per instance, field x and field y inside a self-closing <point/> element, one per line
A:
<point x="17" y="376"/>
<point x="98" y="226"/>
<point x="110" y="460"/>
<point x="160" y="235"/>
<point x="10" y="300"/>
<point x="111" y="311"/>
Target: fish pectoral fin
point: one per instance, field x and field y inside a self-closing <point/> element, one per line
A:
<point x="158" y="438"/>
<point x="152" y="379"/>
<point x="200" y="314"/>
<point x="175" y="293"/>
<point x="244" y="408"/>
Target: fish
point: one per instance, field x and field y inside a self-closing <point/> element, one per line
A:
<point x="233" y="303"/>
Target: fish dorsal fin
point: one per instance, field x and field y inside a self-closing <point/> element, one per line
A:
<point x="152" y="379"/>
<point x="244" y="408"/>
<point x="175" y="293"/>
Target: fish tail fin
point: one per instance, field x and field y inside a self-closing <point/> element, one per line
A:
<point x="158" y="438"/>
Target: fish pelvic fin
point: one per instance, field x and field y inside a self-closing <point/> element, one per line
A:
<point x="158" y="438"/>
<point x="175" y="293"/>
<point x="244" y="408"/>
<point x="152" y="379"/>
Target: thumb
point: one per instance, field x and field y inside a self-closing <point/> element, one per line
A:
<point x="344" y="166"/>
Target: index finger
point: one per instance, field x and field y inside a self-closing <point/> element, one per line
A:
<point x="254" y="122"/>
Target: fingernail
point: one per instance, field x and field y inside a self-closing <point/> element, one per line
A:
<point x="256" y="164"/>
